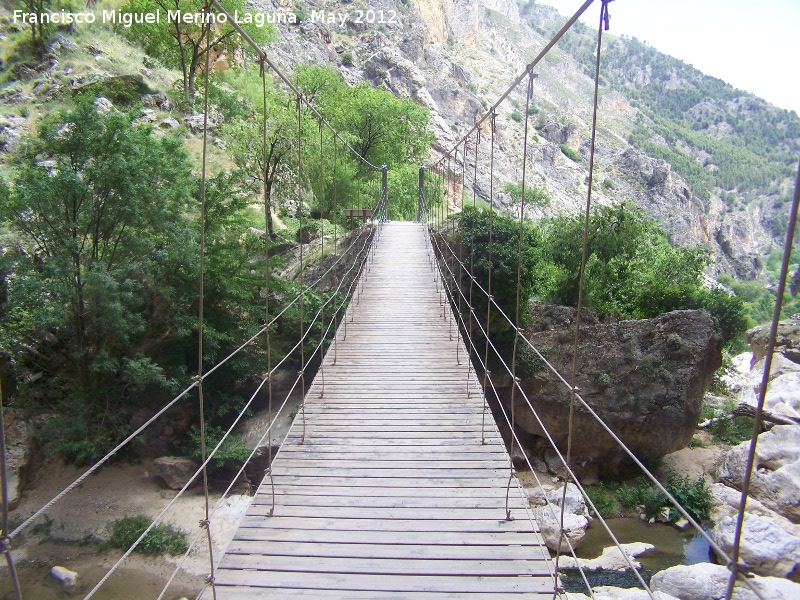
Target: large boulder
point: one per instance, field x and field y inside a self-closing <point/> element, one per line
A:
<point x="776" y="474"/>
<point x="547" y="512"/>
<point x="705" y="581"/>
<point x="611" y="559"/>
<point x="175" y="471"/>
<point x="787" y="341"/>
<point x="549" y="520"/>
<point x="645" y="378"/>
<point x="765" y="547"/>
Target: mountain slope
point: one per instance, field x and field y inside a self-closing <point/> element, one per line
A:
<point x="713" y="164"/>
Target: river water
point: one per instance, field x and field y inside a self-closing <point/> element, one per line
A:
<point x="672" y="547"/>
<point x="125" y="584"/>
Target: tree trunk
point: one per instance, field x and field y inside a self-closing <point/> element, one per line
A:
<point x="745" y="410"/>
<point x="268" y="208"/>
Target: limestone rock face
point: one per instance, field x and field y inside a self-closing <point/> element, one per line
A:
<point x="19" y="452"/>
<point x="725" y="503"/>
<point x="776" y="478"/>
<point x="767" y="548"/>
<point x="646" y="380"/>
<point x="787" y="341"/>
<point x="705" y="581"/>
<point x="174" y="470"/>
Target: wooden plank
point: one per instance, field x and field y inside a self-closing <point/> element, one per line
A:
<point x="383" y="566"/>
<point x="352" y="515"/>
<point x="244" y="593"/>
<point x="339" y="524"/>
<point x="335" y="492"/>
<point x="325" y="498"/>
<point x="389" y="583"/>
<point x="386" y="551"/>
<point x="428" y="538"/>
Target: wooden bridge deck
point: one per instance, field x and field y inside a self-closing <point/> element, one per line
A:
<point x="392" y="494"/>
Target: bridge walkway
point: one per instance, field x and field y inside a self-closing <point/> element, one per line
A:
<point x="391" y="494"/>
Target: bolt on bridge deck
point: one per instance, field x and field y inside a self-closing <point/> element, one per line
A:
<point x="391" y="494"/>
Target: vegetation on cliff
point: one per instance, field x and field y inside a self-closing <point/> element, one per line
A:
<point x="631" y="270"/>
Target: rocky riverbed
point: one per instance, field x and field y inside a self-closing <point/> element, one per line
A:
<point x="770" y="543"/>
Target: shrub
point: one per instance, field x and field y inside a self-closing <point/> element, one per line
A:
<point x="674" y="342"/>
<point x="603" y="379"/>
<point x="602" y="496"/>
<point x="347" y="59"/>
<point x="693" y="496"/>
<point x="162" y="539"/>
<point x="233" y="451"/>
<point x="534" y="196"/>
<point x="516" y="116"/>
<point x="570" y="153"/>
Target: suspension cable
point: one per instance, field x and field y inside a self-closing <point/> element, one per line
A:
<point x="734" y="565"/>
<point x="717" y="549"/>
<point x="204" y="523"/>
<point x="517" y="321"/>
<point x="472" y="254"/>
<point x="267" y="273"/>
<point x="486" y="371"/>
<point x="584" y="249"/>
<point x="505" y="414"/>
<point x="224" y="437"/>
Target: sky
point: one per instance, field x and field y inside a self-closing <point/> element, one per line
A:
<point x="753" y="45"/>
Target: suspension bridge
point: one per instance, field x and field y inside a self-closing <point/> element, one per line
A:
<point x="394" y="481"/>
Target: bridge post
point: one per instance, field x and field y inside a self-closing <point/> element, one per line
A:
<point x="383" y="192"/>
<point x="421" y="195"/>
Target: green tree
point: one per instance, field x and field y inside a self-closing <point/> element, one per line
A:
<point x="182" y="44"/>
<point x="101" y="204"/>
<point x="381" y="127"/>
<point x="631" y="270"/>
<point x="270" y="160"/>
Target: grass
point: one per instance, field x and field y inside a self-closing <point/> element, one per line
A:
<point x="640" y="495"/>
<point x="162" y="539"/>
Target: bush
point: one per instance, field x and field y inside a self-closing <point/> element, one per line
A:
<point x="534" y="196"/>
<point x="641" y="493"/>
<point x="602" y="496"/>
<point x="162" y="539"/>
<point x="693" y="496"/>
<point x="232" y="453"/>
<point x="516" y="116"/>
<point x="570" y="153"/>
<point x="347" y="59"/>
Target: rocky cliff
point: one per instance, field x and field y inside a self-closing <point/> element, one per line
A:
<point x="457" y="56"/>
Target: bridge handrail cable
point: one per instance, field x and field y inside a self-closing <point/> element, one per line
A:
<point x="452" y="256"/>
